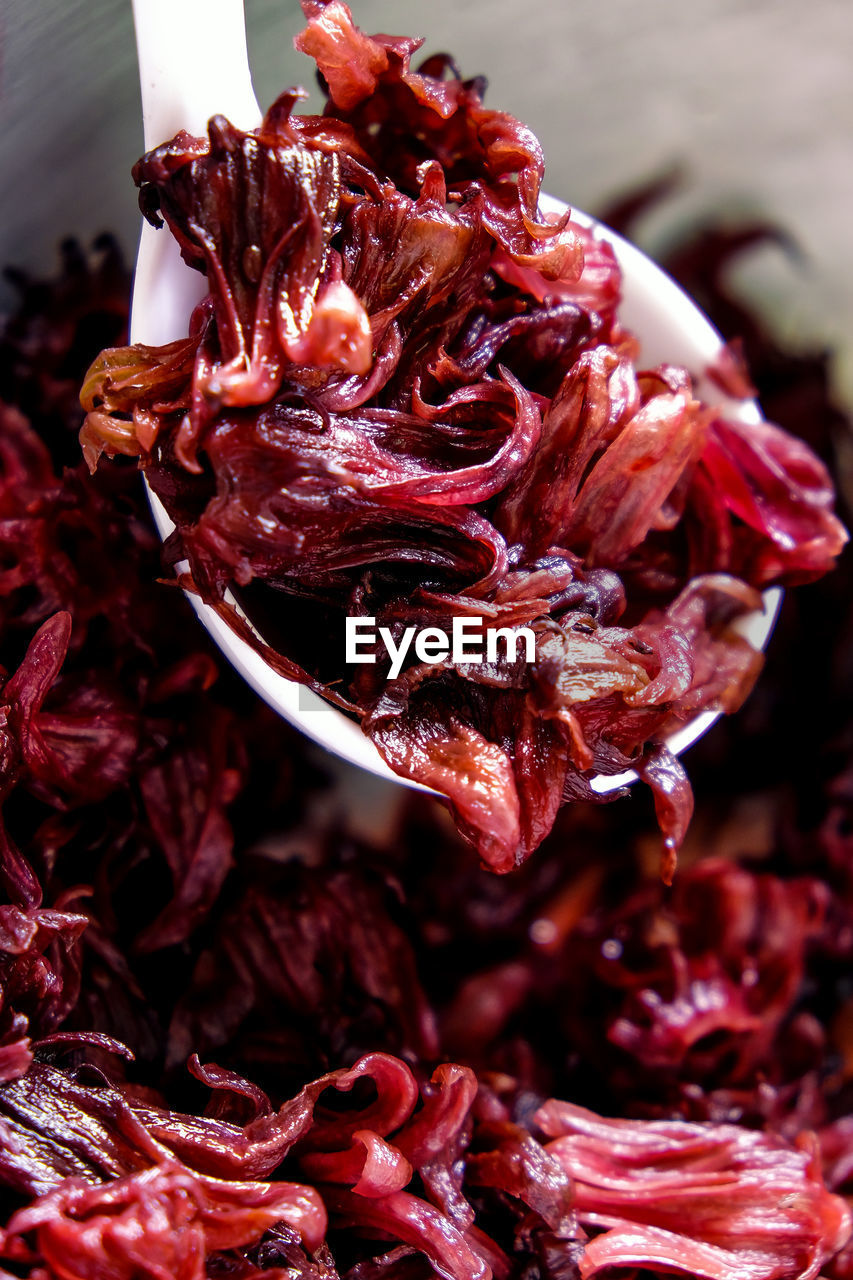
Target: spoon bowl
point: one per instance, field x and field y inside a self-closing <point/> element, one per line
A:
<point x="194" y="64"/>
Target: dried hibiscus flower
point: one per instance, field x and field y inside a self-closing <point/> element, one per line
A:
<point x="408" y="398"/>
<point x="438" y="1167"/>
<point x="156" y="889"/>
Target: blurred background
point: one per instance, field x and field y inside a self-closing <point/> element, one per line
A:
<point x="750" y="101"/>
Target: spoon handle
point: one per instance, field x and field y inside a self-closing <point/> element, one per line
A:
<point x="193" y="63"/>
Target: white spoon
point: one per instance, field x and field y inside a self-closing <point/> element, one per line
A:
<point x="193" y="64"/>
